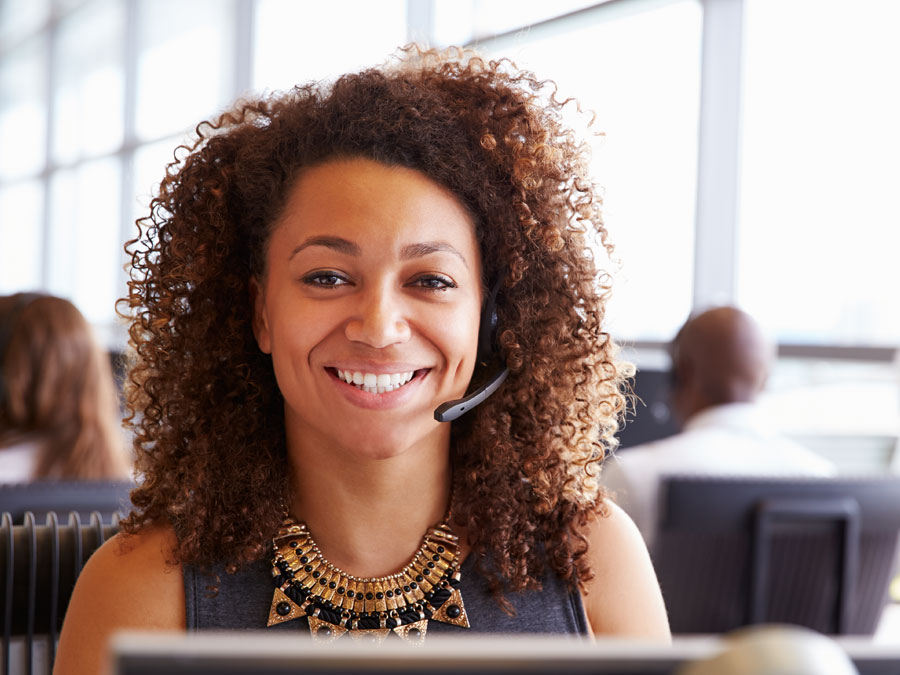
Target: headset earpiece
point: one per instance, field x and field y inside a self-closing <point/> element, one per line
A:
<point x="488" y="351"/>
<point x="487" y="327"/>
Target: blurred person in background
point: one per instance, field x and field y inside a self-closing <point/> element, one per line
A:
<point x="59" y="417"/>
<point x="720" y="363"/>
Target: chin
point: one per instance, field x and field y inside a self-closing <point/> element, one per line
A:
<point x="387" y="446"/>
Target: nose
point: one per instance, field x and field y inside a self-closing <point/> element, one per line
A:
<point x="379" y="321"/>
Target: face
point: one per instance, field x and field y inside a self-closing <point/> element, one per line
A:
<point x="370" y="307"/>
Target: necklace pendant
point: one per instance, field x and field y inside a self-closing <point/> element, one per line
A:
<point x="323" y="631"/>
<point x="283" y="608"/>
<point x="452" y="611"/>
<point x="414" y="633"/>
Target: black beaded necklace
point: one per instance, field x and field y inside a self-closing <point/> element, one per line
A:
<point x="336" y="603"/>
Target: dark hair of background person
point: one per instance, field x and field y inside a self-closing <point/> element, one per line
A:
<point x="59" y="392"/>
<point x="205" y="408"/>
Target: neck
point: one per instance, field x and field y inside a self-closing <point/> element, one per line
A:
<point x="368" y="515"/>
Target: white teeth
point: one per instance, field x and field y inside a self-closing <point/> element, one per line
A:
<point x="375" y="383"/>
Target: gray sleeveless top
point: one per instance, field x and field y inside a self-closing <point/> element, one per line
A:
<point x="244" y="599"/>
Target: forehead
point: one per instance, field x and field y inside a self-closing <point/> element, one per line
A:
<point x="371" y="202"/>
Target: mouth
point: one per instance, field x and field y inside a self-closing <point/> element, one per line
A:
<point x="376" y="383"/>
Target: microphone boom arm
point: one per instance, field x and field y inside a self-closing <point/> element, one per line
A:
<point x="451" y="410"/>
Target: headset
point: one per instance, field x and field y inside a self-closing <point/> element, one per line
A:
<point x="488" y="351"/>
<point x="8" y="325"/>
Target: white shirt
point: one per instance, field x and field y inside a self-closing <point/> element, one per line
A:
<point x="731" y="439"/>
<point x="18" y="463"/>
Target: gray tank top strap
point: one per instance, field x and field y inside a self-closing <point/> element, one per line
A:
<point x="243" y="601"/>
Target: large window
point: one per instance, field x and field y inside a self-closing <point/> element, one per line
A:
<point x="819" y="225"/>
<point x="638" y="69"/>
<point x="128" y="81"/>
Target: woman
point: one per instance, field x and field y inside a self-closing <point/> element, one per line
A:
<point x="59" y="418"/>
<point x="307" y="293"/>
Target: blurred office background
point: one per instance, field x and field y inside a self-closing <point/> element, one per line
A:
<point x="748" y="153"/>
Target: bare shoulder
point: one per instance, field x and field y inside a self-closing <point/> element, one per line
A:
<point x="128" y="583"/>
<point x="623" y="599"/>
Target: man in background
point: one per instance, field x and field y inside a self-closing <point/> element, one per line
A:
<point x="720" y="363"/>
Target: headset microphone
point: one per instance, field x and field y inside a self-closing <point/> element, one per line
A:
<point x="487" y="350"/>
<point x="447" y="412"/>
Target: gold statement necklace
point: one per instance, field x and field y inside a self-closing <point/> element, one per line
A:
<point x="337" y="603"/>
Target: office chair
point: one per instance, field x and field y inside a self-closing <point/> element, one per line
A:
<point x="82" y="496"/>
<point x="39" y="565"/>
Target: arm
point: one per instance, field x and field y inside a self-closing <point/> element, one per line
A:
<point x="623" y="599"/>
<point x="128" y="583"/>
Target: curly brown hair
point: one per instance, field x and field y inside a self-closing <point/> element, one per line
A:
<point x="205" y="408"/>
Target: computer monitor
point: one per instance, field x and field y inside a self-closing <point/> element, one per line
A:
<point x="818" y="552"/>
<point x="266" y="654"/>
<point x="258" y="653"/>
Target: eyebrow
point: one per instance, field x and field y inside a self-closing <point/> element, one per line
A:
<point x="408" y="252"/>
<point x="335" y="243"/>
<point x="429" y="247"/>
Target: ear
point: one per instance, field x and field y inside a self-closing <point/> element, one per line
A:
<point x="260" y="318"/>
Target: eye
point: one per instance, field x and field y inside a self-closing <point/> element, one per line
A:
<point x="325" y="279"/>
<point x="434" y="282"/>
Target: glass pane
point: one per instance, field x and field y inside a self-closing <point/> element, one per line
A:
<point x="85" y="248"/>
<point x="643" y="81"/>
<point x="820" y="229"/>
<point x="20" y="18"/>
<point x="331" y="45"/>
<point x="453" y="22"/>
<point x="150" y="163"/>
<point x="21" y="208"/>
<point x="22" y="110"/>
<point x="457" y="22"/>
<point x="63" y="6"/>
<point x="88" y="101"/>
<point x="184" y="64"/>
<point x="807" y="399"/>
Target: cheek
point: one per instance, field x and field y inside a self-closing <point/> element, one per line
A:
<point x="294" y="335"/>
<point x="460" y="338"/>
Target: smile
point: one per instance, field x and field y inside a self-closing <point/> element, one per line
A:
<point x="373" y="383"/>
